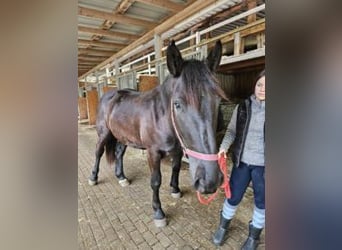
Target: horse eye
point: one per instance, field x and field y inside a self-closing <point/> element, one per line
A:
<point x="177" y="105"/>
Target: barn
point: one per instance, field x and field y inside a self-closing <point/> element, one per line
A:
<point x="123" y="44"/>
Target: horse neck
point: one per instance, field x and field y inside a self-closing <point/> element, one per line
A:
<point x="165" y="92"/>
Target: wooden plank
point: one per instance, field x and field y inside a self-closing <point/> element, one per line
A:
<point x="118" y="18"/>
<point x="84" y="67"/>
<point x="101" y="44"/>
<point x="95" y="52"/>
<point x="229" y="68"/>
<point x="86" y="63"/>
<point x="253" y="30"/>
<point x="174" y="7"/>
<point x="92" y="58"/>
<point x="107" y="33"/>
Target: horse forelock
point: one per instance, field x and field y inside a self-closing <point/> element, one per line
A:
<point x="196" y="81"/>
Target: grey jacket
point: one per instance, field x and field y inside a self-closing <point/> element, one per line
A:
<point x="250" y="148"/>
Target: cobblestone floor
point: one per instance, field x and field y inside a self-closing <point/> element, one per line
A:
<point x="115" y="217"/>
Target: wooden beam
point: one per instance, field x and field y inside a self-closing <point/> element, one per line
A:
<point x="92" y="58"/>
<point x="224" y="14"/>
<point x="95" y="52"/>
<point x="124" y="6"/>
<point x="164" y="4"/>
<point x="257" y="63"/>
<point x="83" y="68"/>
<point x="107" y="33"/>
<point x="101" y="44"/>
<point x="253" y="30"/>
<point x="87" y="63"/>
<point x="118" y="18"/>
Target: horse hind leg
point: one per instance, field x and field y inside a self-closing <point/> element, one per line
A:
<point x="103" y="140"/>
<point x="120" y="150"/>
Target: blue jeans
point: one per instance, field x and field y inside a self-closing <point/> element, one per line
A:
<point x="240" y="179"/>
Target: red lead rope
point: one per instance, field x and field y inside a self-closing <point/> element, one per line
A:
<point x="225" y="185"/>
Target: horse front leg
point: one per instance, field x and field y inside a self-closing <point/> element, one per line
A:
<point x="154" y="162"/>
<point x="176" y="165"/>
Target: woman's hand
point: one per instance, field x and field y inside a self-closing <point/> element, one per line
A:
<point x="222" y="152"/>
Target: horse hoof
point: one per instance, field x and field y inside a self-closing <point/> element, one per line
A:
<point x="160" y="223"/>
<point x="176" y="195"/>
<point x="124" y="183"/>
<point x="92" y="183"/>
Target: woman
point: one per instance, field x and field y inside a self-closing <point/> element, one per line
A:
<point x="246" y="134"/>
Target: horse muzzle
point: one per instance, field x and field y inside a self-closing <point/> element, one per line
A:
<point x="206" y="185"/>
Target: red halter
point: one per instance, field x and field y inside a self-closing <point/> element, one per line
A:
<point x="205" y="157"/>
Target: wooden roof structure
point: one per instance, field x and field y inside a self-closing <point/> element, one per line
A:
<point x="109" y="29"/>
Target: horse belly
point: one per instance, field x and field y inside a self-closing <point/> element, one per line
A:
<point x="126" y="134"/>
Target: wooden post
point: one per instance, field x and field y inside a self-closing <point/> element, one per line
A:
<point x="158" y="50"/>
<point x="92" y="103"/>
<point x="149" y="65"/>
<point x="107" y="76"/>
<point x="260" y="40"/>
<point x="117" y="72"/>
<point x="198" y="39"/>
<point x="158" y="46"/>
<point x="237" y="43"/>
<point x="250" y="5"/>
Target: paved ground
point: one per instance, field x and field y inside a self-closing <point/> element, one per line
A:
<point x="113" y="217"/>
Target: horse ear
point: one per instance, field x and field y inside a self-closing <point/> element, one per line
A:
<point x="174" y="59"/>
<point x="214" y="57"/>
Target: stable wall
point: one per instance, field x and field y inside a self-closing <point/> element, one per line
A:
<point x="92" y="103"/>
<point x="147" y="82"/>
<point x="82" y="108"/>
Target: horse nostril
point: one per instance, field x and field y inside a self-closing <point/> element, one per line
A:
<point x="199" y="185"/>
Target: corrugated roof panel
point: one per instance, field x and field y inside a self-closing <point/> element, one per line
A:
<point x="115" y="40"/>
<point x="147" y="12"/>
<point x="179" y="1"/>
<point x="198" y="18"/>
<point x="86" y="36"/>
<point x="91" y="22"/>
<point x="132" y="29"/>
<point x="103" y="5"/>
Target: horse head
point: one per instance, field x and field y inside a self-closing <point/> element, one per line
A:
<point x="194" y="106"/>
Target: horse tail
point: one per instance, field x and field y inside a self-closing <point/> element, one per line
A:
<point x="110" y="149"/>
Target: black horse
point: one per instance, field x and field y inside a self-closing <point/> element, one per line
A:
<point x="186" y="104"/>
